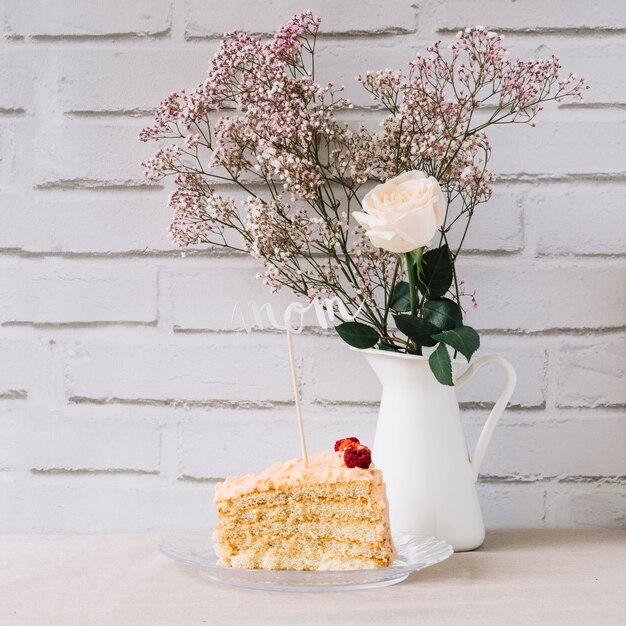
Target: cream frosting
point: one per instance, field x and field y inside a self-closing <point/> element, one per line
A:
<point x="325" y="467"/>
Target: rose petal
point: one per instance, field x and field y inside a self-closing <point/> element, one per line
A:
<point x="439" y="202"/>
<point x="390" y="241"/>
<point x="364" y="219"/>
<point x="412" y="175"/>
<point x="418" y="227"/>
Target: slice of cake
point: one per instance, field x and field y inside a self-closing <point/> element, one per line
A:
<point x="331" y="515"/>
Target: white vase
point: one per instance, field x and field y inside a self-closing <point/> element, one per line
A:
<point x="421" y="448"/>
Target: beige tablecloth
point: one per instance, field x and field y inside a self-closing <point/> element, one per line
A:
<point x="518" y="577"/>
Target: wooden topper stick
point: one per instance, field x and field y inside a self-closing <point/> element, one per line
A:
<point x="296" y="392"/>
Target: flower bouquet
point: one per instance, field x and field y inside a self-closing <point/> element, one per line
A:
<point x="334" y="211"/>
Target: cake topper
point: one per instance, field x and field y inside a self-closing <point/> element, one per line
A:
<point x="253" y="316"/>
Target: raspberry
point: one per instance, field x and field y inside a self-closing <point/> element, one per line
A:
<point x="340" y="444"/>
<point x="356" y="455"/>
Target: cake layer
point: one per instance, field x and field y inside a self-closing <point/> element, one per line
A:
<point x="309" y="492"/>
<point x="353" y="530"/>
<point x="291" y="510"/>
<point x="316" y="553"/>
<point x="318" y="561"/>
<point x="231" y="545"/>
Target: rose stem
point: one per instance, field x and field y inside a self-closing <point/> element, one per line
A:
<point x="410" y="270"/>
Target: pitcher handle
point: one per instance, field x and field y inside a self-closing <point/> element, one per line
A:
<point x="498" y="408"/>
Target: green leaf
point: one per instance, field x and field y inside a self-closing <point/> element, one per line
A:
<point x="400" y="300"/>
<point x="464" y="339"/>
<point x="358" y="335"/>
<point x="443" y="313"/>
<point x="441" y="365"/>
<point x="437" y="273"/>
<point x="416" y="329"/>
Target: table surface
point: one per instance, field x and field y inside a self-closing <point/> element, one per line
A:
<point x="517" y="577"/>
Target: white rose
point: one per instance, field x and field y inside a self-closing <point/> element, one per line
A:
<point x="404" y="213"/>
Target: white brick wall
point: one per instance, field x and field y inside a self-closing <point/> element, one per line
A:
<point x="39" y="19"/>
<point x="124" y="392"/>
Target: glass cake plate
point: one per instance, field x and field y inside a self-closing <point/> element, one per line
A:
<point x="415" y="552"/>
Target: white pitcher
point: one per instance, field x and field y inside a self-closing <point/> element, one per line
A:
<point x="421" y="448"/>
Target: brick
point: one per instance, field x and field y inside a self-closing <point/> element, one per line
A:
<point x="199" y="370"/>
<point x="536" y="450"/>
<point x="124" y="79"/>
<point x="576" y="143"/>
<point x="529" y="360"/>
<point x="206" y="298"/>
<point x="67" y="18"/>
<point x="590" y="372"/>
<point x="340" y="61"/>
<point x="589" y="506"/>
<point x="334" y="373"/>
<point x="556" y="215"/>
<point x="222" y="443"/>
<point x="16" y="367"/>
<point x="118" y="504"/>
<point x="84" y="154"/>
<point x="503" y="209"/>
<point x="227" y="443"/>
<point x="590" y="59"/>
<point x="207" y="18"/>
<point x="16" y="77"/>
<point x="596" y="65"/>
<point x="528" y="16"/>
<point x="8" y="157"/>
<point x="86" y="222"/>
<point x="10" y="441"/>
<point x="530" y="295"/>
<point x="78" y="443"/>
<point x="512" y="505"/>
<point x="67" y="293"/>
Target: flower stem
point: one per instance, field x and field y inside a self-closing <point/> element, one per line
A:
<point x="418" y="255"/>
<point x="410" y="270"/>
<point x="389" y="294"/>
